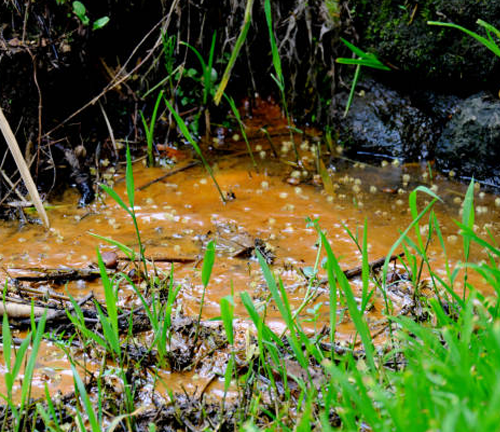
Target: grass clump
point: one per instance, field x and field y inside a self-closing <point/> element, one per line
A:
<point x="442" y="363"/>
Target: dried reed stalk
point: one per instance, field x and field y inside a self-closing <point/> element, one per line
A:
<point x="23" y="168"/>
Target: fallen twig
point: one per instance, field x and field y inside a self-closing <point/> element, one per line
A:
<point x="161" y="259"/>
<point x="356" y="271"/>
<point x="170" y="173"/>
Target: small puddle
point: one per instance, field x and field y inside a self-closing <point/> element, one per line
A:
<point x="178" y="215"/>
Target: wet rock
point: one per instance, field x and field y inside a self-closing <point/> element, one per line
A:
<point x="110" y="259"/>
<point x="470" y="142"/>
<point x="382" y="121"/>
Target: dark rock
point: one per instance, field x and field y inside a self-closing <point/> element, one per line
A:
<point x="383" y="122"/>
<point x="470" y="142"/>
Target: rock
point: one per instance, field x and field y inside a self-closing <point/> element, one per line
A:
<point x="384" y="122"/>
<point x="110" y="259"/>
<point x="470" y="142"/>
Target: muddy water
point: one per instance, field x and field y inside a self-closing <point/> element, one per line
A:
<point x="178" y="215"/>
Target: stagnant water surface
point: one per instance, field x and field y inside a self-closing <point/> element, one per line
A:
<point x="178" y="215"/>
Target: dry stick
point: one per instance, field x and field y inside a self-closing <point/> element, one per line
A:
<point x="40" y="293"/>
<point x="162" y="259"/>
<point x="110" y="129"/>
<point x="14" y="188"/>
<point x="170" y="173"/>
<point x="62" y="313"/>
<point x="118" y="80"/>
<point x="23" y="167"/>
<point x="356" y="271"/>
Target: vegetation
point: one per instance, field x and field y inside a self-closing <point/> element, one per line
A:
<point x="442" y="361"/>
<point x="437" y="367"/>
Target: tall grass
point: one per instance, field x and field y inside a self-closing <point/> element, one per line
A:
<point x="247" y="21"/>
<point x="278" y="77"/>
<point x="13" y="364"/>
<point x="237" y="116"/>
<point x="149" y="129"/>
<point x="364" y="59"/>
<point x="447" y="369"/>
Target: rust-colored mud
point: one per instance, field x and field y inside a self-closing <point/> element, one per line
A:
<point x="178" y="215"/>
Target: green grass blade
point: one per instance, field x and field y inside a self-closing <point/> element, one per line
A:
<point x="271" y="284"/>
<point x="353" y="87"/>
<point x="236" y="114"/>
<point x="267" y="333"/>
<point x="129" y="177"/>
<point x="489" y="27"/>
<point x="234" y="54"/>
<point x="6" y="342"/>
<point x="110" y="336"/>
<point x="227" y="313"/>
<point x="115" y="197"/>
<point x="365" y="269"/>
<point x="468" y="216"/>
<point x="108" y="293"/>
<point x="30" y="366"/>
<point x="362" y="62"/>
<point x="355" y="314"/>
<point x="197" y="54"/>
<point x="185" y="131"/>
<point x="207" y="73"/>
<point x="124" y="248"/>
<point x="80" y="388"/>
<point x="272" y="39"/>
<point x="488" y="44"/>
<point x="208" y="263"/>
<point x="358" y="51"/>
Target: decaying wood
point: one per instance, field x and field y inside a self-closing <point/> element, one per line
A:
<point x="54" y="274"/>
<point x="22" y="310"/>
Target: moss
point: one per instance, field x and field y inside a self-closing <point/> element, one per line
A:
<point x="398" y="32"/>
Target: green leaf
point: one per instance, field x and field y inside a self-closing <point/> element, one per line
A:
<point x="81" y="12"/>
<point x="227" y="314"/>
<point x="208" y="263"/>
<point x="362" y="62"/>
<point x="109" y="294"/>
<point x="100" y="23"/>
<point x="257" y="320"/>
<point x="487" y="43"/>
<point x="228" y="374"/>
<point x="116" y="197"/>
